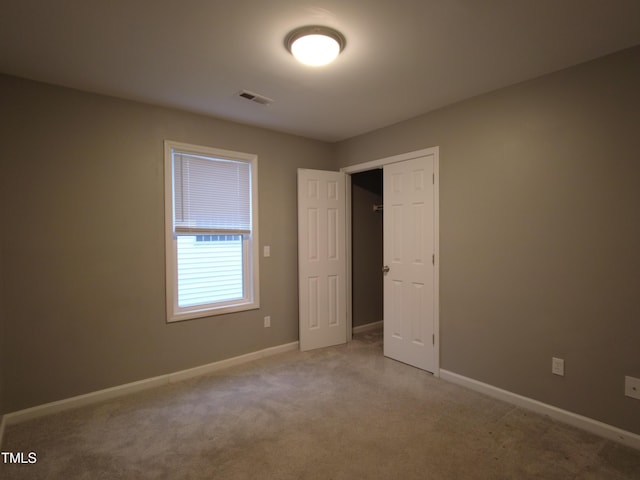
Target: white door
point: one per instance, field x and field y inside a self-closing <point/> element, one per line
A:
<point x="322" y="266"/>
<point x="409" y="249"/>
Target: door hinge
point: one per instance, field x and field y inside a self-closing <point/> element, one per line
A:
<point x="433" y="259"/>
<point x="433" y="339"/>
<point x="433" y="178"/>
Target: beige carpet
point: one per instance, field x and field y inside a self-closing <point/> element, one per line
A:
<point x="338" y="413"/>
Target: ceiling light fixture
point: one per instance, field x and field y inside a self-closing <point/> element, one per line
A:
<point x="315" y="45"/>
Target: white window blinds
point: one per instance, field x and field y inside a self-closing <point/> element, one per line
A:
<point x="201" y="208"/>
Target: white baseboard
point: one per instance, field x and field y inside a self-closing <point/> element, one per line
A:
<point x="367" y="326"/>
<point x="128" y="388"/>
<point x="585" y="423"/>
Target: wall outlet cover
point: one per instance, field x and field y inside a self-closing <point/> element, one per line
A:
<point x="632" y="387"/>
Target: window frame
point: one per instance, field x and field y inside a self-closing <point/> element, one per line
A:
<point x="251" y="277"/>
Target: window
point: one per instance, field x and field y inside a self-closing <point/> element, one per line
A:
<point x="211" y="199"/>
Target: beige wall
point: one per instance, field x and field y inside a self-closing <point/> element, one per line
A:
<point x="540" y="233"/>
<point x="83" y="267"/>
<point x="539" y="223"/>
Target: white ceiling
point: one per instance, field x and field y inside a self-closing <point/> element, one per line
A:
<point x="403" y="57"/>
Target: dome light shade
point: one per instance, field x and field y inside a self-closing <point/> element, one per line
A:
<point x="314" y="45"/>
<point x="315" y="50"/>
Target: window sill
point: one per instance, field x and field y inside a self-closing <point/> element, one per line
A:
<point x="212" y="311"/>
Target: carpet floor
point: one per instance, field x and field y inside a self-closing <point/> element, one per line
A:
<point x="344" y="412"/>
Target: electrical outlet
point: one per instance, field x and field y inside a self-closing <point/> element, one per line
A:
<point x="267" y="321"/>
<point x="632" y="387"/>
<point x="557" y="366"/>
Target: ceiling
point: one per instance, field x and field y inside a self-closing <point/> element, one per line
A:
<point x="403" y="57"/>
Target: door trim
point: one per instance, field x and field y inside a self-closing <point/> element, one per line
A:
<point x="379" y="163"/>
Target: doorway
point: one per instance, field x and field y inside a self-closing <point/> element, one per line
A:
<point x="428" y="339"/>
<point x="411" y="257"/>
<point x="366" y="247"/>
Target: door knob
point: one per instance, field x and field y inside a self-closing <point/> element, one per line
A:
<point x="385" y="269"/>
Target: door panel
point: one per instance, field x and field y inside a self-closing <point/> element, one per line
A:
<point x="409" y="243"/>
<point x="322" y="258"/>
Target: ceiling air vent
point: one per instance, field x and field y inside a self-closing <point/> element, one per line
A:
<point x="254" y="97"/>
